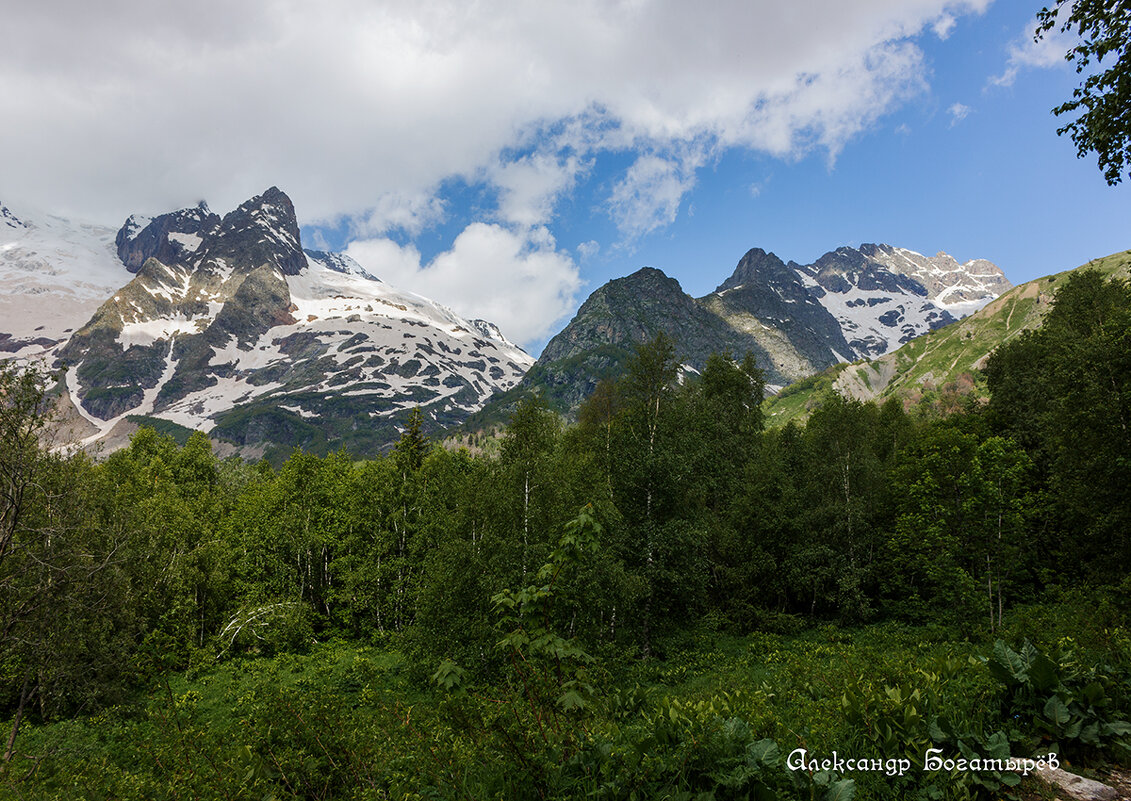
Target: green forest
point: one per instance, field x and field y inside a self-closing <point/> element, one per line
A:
<point x="663" y="600"/>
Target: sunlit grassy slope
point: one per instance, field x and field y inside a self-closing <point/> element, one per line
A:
<point x="943" y="365"/>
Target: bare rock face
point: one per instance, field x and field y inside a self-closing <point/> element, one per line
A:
<point x="1076" y="787"/>
<point x="167" y="238"/>
<point x="771" y="301"/>
<point x="622" y="314"/>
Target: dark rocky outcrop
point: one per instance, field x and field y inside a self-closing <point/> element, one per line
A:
<point x="159" y="240"/>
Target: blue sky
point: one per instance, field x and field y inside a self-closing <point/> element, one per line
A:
<point x="508" y="158"/>
<point x="966" y="165"/>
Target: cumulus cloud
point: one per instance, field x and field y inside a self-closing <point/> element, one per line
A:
<point x="410" y="213"/>
<point x="521" y="282"/>
<point x="649" y="195"/>
<point x="589" y="249"/>
<point x="944" y="25"/>
<point x="530" y="186"/>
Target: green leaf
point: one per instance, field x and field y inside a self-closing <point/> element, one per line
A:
<point x="998" y="745"/>
<point x="1090" y="734"/>
<point x="938" y="729"/>
<point x="1094" y="692"/>
<point x="449" y="675"/>
<point x="1072" y="731"/>
<point x="1056" y="711"/>
<point x="1007" y="664"/>
<point x="570" y="700"/>
<point x="843" y="790"/>
<point x="1117" y="727"/>
<point x="764" y="752"/>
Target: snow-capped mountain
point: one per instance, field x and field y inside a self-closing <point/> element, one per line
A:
<point x="229" y="326"/>
<point x="960" y="289"/>
<point x="877" y="308"/>
<point x="54" y="274"/>
<point x="879" y="296"/>
<point x="796" y="320"/>
<point x="226" y="324"/>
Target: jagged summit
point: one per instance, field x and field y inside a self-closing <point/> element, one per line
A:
<point x="959" y="288"/>
<point x="618" y="316"/>
<point x="229" y="326"/>
<point x="757" y="266"/>
<point x="879" y="296"/>
<point x="795" y="319"/>
<point x="263" y="230"/>
<point x="633" y="309"/>
<point x="170" y="238"/>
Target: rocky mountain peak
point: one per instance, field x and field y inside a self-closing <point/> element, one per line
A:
<point x="757" y="267"/>
<point x="648" y="277"/>
<point x="263" y="230"/>
<point x="170" y="238"/>
<point x="795" y="319"/>
<point x="8" y="219"/>
<point x="959" y="288"/>
<point x="626" y="312"/>
<point x="228" y="325"/>
<point x="844" y="268"/>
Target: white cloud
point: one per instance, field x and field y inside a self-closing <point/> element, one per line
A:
<point x="588" y="250"/>
<point x="530" y="186"/>
<point x="827" y="108"/>
<point x="1027" y="53"/>
<point x="519" y="281"/>
<point x="649" y="195"/>
<point x="364" y="112"/>
<point x="410" y="213"/>
<point x="958" y="112"/>
<point x="128" y="105"/>
<point x="944" y="25"/>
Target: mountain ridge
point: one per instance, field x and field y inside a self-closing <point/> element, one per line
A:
<point x="796" y="320"/>
<point x="226" y="324"/>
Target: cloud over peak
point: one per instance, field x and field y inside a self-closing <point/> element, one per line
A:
<point x="364" y="111"/>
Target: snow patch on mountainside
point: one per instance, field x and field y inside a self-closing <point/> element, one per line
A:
<point x="55" y="273"/>
<point x="362" y="328"/>
<point x="878" y="320"/>
<point x="960" y="289"/>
